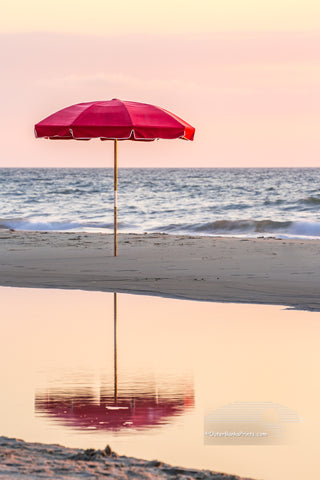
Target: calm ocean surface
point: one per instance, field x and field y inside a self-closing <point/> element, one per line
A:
<point x="181" y="370"/>
<point x="238" y="202"/>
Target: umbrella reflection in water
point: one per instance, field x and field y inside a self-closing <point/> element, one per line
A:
<point x="138" y="403"/>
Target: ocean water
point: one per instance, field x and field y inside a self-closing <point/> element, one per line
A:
<point x="230" y="202"/>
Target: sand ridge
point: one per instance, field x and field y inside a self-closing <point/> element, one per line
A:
<point x="19" y="459"/>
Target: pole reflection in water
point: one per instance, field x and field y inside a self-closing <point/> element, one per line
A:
<point x="115" y="314"/>
<point x="140" y="402"/>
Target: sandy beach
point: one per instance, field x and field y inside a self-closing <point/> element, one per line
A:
<point x="263" y="270"/>
<point x="239" y="270"/>
<point x="19" y="459"/>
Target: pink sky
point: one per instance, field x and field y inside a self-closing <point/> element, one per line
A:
<point x="247" y="78"/>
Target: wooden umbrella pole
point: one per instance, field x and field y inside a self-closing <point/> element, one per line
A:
<point x="115" y="177"/>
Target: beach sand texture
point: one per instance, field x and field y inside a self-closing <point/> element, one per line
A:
<point x="262" y="270"/>
<point x="19" y="459"/>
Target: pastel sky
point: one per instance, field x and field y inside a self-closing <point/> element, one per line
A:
<point x="245" y="73"/>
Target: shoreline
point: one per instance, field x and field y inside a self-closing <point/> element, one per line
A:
<point x="38" y="460"/>
<point x="262" y="270"/>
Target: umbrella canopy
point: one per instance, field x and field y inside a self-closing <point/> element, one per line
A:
<point x="114" y="120"/>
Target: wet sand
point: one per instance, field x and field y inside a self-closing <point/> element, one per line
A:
<point x="263" y="270"/>
<point x="20" y="459"/>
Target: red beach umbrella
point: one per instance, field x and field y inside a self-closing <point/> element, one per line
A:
<point x="113" y="120"/>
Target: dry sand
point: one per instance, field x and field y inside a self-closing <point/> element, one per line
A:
<point x="30" y="461"/>
<point x="263" y="270"/>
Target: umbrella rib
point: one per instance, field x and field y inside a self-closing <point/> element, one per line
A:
<point x="131" y="122"/>
<point x="81" y="114"/>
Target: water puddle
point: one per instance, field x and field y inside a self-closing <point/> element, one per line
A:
<point x="227" y="387"/>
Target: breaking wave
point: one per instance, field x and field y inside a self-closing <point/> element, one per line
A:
<point x="59" y="226"/>
<point x="310" y="201"/>
<point x="248" y="228"/>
